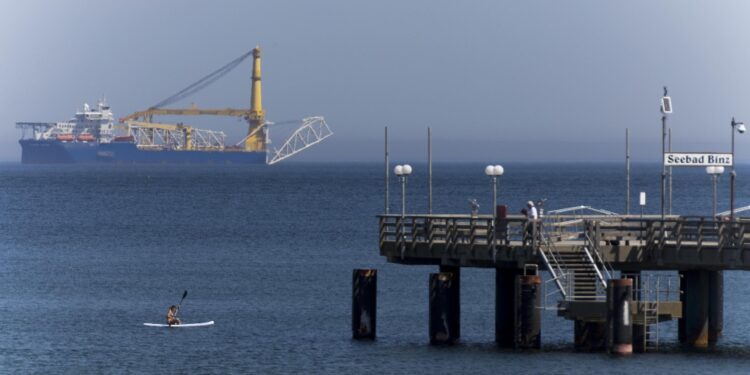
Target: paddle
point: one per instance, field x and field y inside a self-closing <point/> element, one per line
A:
<point x="178" y="305"/>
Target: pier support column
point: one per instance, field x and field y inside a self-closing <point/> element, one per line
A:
<point x="444" y="315"/>
<point x="505" y="306"/>
<point x="715" y="305"/>
<point x="455" y="297"/>
<point x="589" y="336"/>
<point x="639" y="330"/>
<point x="364" y="303"/>
<point x="619" y="318"/>
<point x="683" y="293"/>
<point x="528" y="317"/>
<point x="695" y="308"/>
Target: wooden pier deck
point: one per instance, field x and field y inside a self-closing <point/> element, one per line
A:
<point x="628" y="243"/>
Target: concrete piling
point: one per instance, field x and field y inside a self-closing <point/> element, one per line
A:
<point x="528" y="317"/>
<point x="589" y="336"/>
<point x="681" y="321"/>
<point x="505" y="289"/>
<point x="444" y="319"/>
<point x="695" y="308"/>
<point x="364" y="303"/>
<point x="455" y="296"/>
<point x="619" y="316"/>
<point x="639" y="331"/>
<point x="715" y="305"/>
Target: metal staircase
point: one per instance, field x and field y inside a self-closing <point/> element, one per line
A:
<point x="553" y="261"/>
<point x="584" y="280"/>
<point x="581" y="275"/>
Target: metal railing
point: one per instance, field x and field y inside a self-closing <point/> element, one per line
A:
<point x="603" y="268"/>
<point x="552" y="259"/>
<point x="649" y="290"/>
<point x="450" y="230"/>
<point x="542" y="238"/>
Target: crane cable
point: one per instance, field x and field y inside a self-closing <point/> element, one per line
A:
<point x="203" y="82"/>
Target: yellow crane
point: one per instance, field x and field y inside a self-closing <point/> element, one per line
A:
<point x="255" y="116"/>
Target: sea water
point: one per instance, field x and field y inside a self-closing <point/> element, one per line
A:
<point x="88" y="253"/>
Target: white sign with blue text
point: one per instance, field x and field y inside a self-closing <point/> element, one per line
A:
<point x="697" y="159"/>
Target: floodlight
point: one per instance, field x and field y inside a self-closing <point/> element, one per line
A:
<point x="666" y="104"/>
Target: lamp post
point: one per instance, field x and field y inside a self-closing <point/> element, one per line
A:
<point x="666" y="107"/>
<point x="740" y="127"/>
<point x="403" y="171"/>
<point x="714" y="171"/>
<point x="494" y="171"/>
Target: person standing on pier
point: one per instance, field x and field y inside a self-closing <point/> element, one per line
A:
<point x="531" y="213"/>
<point x="531" y="216"/>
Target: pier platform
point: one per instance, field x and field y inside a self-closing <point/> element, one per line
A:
<point x="594" y="271"/>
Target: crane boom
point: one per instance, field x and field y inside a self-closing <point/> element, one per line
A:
<point x="194" y="111"/>
<point x="152" y="135"/>
<point x="255" y="116"/>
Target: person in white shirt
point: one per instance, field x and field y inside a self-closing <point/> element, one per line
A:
<point x="531" y="215"/>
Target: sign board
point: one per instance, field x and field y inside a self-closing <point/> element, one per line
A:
<point x="643" y="198"/>
<point x="697" y="159"/>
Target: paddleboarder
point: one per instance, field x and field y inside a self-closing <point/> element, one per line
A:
<point x="172" y="318"/>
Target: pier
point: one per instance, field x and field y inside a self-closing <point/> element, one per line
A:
<point x="594" y="262"/>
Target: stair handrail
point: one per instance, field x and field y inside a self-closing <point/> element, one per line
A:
<point x="608" y="270"/>
<point x="591" y="260"/>
<point x="555" y="277"/>
<point x="554" y="268"/>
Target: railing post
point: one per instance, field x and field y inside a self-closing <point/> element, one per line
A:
<point x="741" y="238"/>
<point x="597" y="235"/>
<point x="491" y="232"/>
<point x="401" y="236"/>
<point x="428" y="232"/>
<point x="650" y="233"/>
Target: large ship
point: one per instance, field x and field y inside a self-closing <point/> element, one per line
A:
<point x="93" y="136"/>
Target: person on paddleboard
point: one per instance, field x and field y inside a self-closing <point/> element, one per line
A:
<point x="172" y="318"/>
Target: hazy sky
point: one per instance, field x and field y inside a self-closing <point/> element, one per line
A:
<point x="497" y="81"/>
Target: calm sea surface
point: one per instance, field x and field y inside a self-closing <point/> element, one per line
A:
<point x="90" y="253"/>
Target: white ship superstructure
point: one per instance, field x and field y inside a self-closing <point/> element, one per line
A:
<point x="88" y="125"/>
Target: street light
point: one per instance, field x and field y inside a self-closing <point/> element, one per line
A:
<point x="740" y="127"/>
<point x="403" y="171"/>
<point x="494" y="171"/>
<point x="714" y="171"/>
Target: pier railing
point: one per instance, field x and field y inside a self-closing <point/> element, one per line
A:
<point x="449" y="231"/>
<point x="481" y="231"/>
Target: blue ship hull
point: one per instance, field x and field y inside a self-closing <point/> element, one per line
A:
<point x="53" y="151"/>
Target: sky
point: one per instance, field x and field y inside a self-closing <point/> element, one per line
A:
<point x="497" y="81"/>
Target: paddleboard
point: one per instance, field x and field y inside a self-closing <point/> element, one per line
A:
<point x="183" y="325"/>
